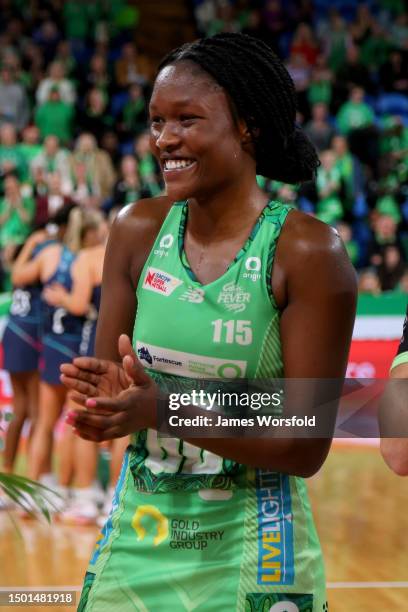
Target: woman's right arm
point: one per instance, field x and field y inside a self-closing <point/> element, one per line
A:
<point x="26" y="270"/>
<point x="130" y="240"/>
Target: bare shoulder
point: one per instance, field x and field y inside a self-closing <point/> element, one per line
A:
<point x="310" y="253"/>
<point x="145" y="215"/>
<point x="133" y="234"/>
<point x="305" y="235"/>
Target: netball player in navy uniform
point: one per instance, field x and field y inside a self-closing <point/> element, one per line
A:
<point x="21" y="348"/>
<point x="83" y="297"/>
<point x="61" y="333"/>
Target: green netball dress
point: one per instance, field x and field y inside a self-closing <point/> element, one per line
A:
<point x="189" y="530"/>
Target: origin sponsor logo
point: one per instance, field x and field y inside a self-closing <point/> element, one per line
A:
<point x="275" y="529"/>
<point x="253" y="265"/>
<point x="160" y="282"/>
<point x="165" y="243"/>
<point x="233" y="297"/>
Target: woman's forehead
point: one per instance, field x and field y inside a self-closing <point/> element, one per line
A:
<point x="184" y="83"/>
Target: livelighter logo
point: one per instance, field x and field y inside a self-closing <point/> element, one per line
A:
<point x="165" y="243"/>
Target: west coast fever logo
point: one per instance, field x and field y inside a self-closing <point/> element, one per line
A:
<point x="253" y="265"/>
<point x="234" y="298"/>
<point x="160" y="282"/>
<point x="165" y="243"/>
<point x="161" y="523"/>
<point x="189" y="364"/>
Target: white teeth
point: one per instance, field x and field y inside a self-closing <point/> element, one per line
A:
<point x="173" y="164"/>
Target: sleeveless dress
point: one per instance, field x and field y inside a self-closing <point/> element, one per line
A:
<point x="22" y="335"/>
<point x="62" y="331"/>
<point x="189" y="530"/>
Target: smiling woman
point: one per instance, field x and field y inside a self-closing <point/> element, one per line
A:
<point x="214" y="282"/>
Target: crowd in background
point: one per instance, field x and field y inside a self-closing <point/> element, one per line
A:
<point x="74" y="90"/>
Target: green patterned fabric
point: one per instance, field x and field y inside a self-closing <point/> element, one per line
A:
<point x="190" y="530"/>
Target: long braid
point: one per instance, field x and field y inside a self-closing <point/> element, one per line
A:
<point x="263" y="94"/>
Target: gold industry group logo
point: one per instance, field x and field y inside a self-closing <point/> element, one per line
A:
<point x="162" y="523"/>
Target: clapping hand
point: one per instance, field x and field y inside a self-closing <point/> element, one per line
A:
<point x="119" y="398"/>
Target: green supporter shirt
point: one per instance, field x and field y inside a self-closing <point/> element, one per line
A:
<point x="15" y="157"/>
<point x="14" y="229"/>
<point x="29" y="151"/>
<point x="55" y="118"/>
<point x="352" y="116"/>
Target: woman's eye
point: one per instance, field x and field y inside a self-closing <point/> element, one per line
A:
<point x="156" y="120"/>
<point x="188" y="118"/>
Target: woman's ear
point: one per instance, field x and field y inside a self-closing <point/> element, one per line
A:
<point x="247" y="135"/>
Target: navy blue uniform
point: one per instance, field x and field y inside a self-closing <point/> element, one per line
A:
<point x="62" y="331"/>
<point x="22" y="336"/>
<point x="87" y="347"/>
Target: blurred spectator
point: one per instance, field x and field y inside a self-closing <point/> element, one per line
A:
<point x="354" y="114"/>
<point x="47" y="37"/>
<point x="14" y="106"/>
<point x="352" y="74"/>
<point x="93" y="172"/>
<point x="368" y="282"/>
<point x="391" y="269"/>
<point x="130" y="68"/>
<point x="384" y="234"/>
<point x="351" y="245"/>
<point x="335" y="39"/>
<point x="329" y="208"/>
<point x="225" y="19"/>
<point x="134" y="114"/>
<point x="355" y="119"/>
<point x="149" y="171"/>
<point x="30" y="146"/>
<point x="403" y="286"/>
<point x="64" y="57"/>
<point x="318" y="128"/>
<point x="128" y="188"/>
<point x="55" y="117"/>
<point x="320" y="89"/>
<point x="56" y="80"/>
<point x="349" y="169"/>
<point x="110" y="143"/>
<point x="394" y="73"/>
<point x="12" y="160"/>
<point x="95" y="118"/>
<point x="48" y="204"/>
<point x="52" y="160"/>
<point x="98" y="74"/>
<point x="299" y="70"/>
<point x="305" y="44"/>
<point x="16" y="213"/>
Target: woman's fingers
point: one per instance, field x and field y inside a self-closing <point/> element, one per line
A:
<point x="91" y="364"/>
<point x="75" y="384"/>
<point x="74" y="372"/>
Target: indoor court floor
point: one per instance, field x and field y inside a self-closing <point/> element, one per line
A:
<point x="361" y="512"/>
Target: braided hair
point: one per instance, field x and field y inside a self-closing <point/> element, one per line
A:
<point x="263" y="94"/>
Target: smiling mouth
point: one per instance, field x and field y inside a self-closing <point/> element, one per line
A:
<point x="178" y="164"/>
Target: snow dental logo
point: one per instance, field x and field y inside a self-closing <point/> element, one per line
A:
<point x="194" y="295"/>
<point x="160" y="282"/>
<point x="165" y="243"/>
<point x="253" y="265"/>
<point x="234" y="298"/>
